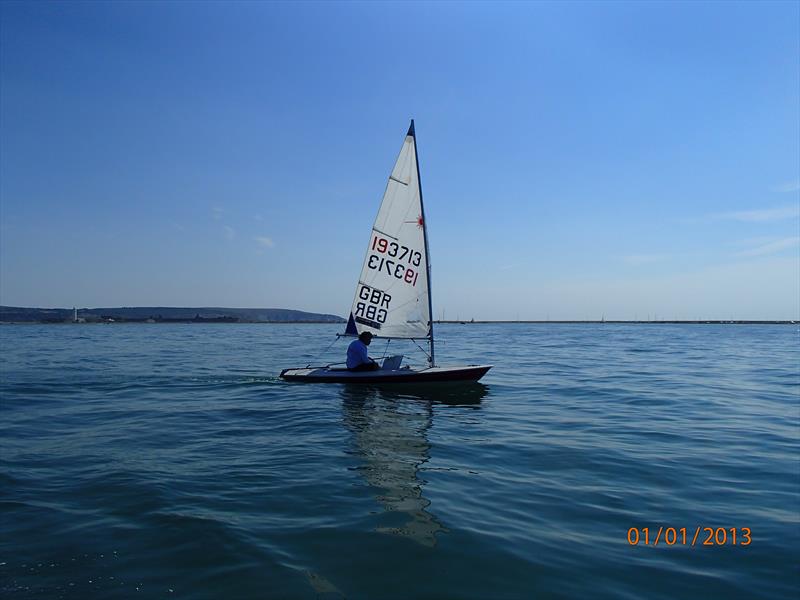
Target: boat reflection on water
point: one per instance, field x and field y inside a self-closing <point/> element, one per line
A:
<point x="389" y="427"/>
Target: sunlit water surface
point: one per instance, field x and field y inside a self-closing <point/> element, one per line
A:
<point x="161" y="461"/>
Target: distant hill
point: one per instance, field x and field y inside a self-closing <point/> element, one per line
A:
<point x="166" y="314"/>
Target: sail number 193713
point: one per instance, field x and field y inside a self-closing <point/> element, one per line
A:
<point x="393" y="263"/>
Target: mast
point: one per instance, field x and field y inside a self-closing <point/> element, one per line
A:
<point x="425" y="236"/>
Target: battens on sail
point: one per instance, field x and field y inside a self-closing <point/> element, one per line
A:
<point x="392" y="295"/>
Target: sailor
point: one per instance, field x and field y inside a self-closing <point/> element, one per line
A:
<point x="357" y="358"/>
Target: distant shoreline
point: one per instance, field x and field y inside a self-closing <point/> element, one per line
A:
<point x="172" y="322"/>
<point x="221" y="315"/>
<point x="637" y="322"/>
<point x="161" y="314"/>
<point x="482" y="322"/>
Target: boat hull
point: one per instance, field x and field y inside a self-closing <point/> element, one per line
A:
<point x="429" y="375"/>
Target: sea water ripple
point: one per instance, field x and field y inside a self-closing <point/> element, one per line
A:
<point x="170" y="461"/>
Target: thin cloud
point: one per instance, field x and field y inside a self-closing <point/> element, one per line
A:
<point x="767" y="214"/>
<point x="786" y="188"/>
<point x="772" y="247"/>
<point x="643" y="259"/>
<point x="264" y="241"/>
<point x="752" y="242"/>
<point x="217" y="212"/>
<point x="230" y="232"/>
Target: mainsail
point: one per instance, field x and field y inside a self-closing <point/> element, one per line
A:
<point x="392" y="297"/>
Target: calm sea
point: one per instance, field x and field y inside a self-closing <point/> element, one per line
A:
<point x="161" y="461"/>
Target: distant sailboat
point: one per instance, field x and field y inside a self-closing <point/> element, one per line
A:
<point x="393" y="299"/>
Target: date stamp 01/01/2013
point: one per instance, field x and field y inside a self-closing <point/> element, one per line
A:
<point x="681" y="536"/>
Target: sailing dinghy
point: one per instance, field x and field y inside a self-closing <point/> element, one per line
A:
<point x="393" y="295"/>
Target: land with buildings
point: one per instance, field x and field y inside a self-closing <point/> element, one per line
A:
<point x="161" y="314"/>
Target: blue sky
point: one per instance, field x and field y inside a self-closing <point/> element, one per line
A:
<point x="578" y="160"/>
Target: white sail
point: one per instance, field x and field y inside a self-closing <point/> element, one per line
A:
<point x="392" y="295"/>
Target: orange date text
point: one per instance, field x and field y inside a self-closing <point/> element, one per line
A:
<point x="682" y="536"/>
